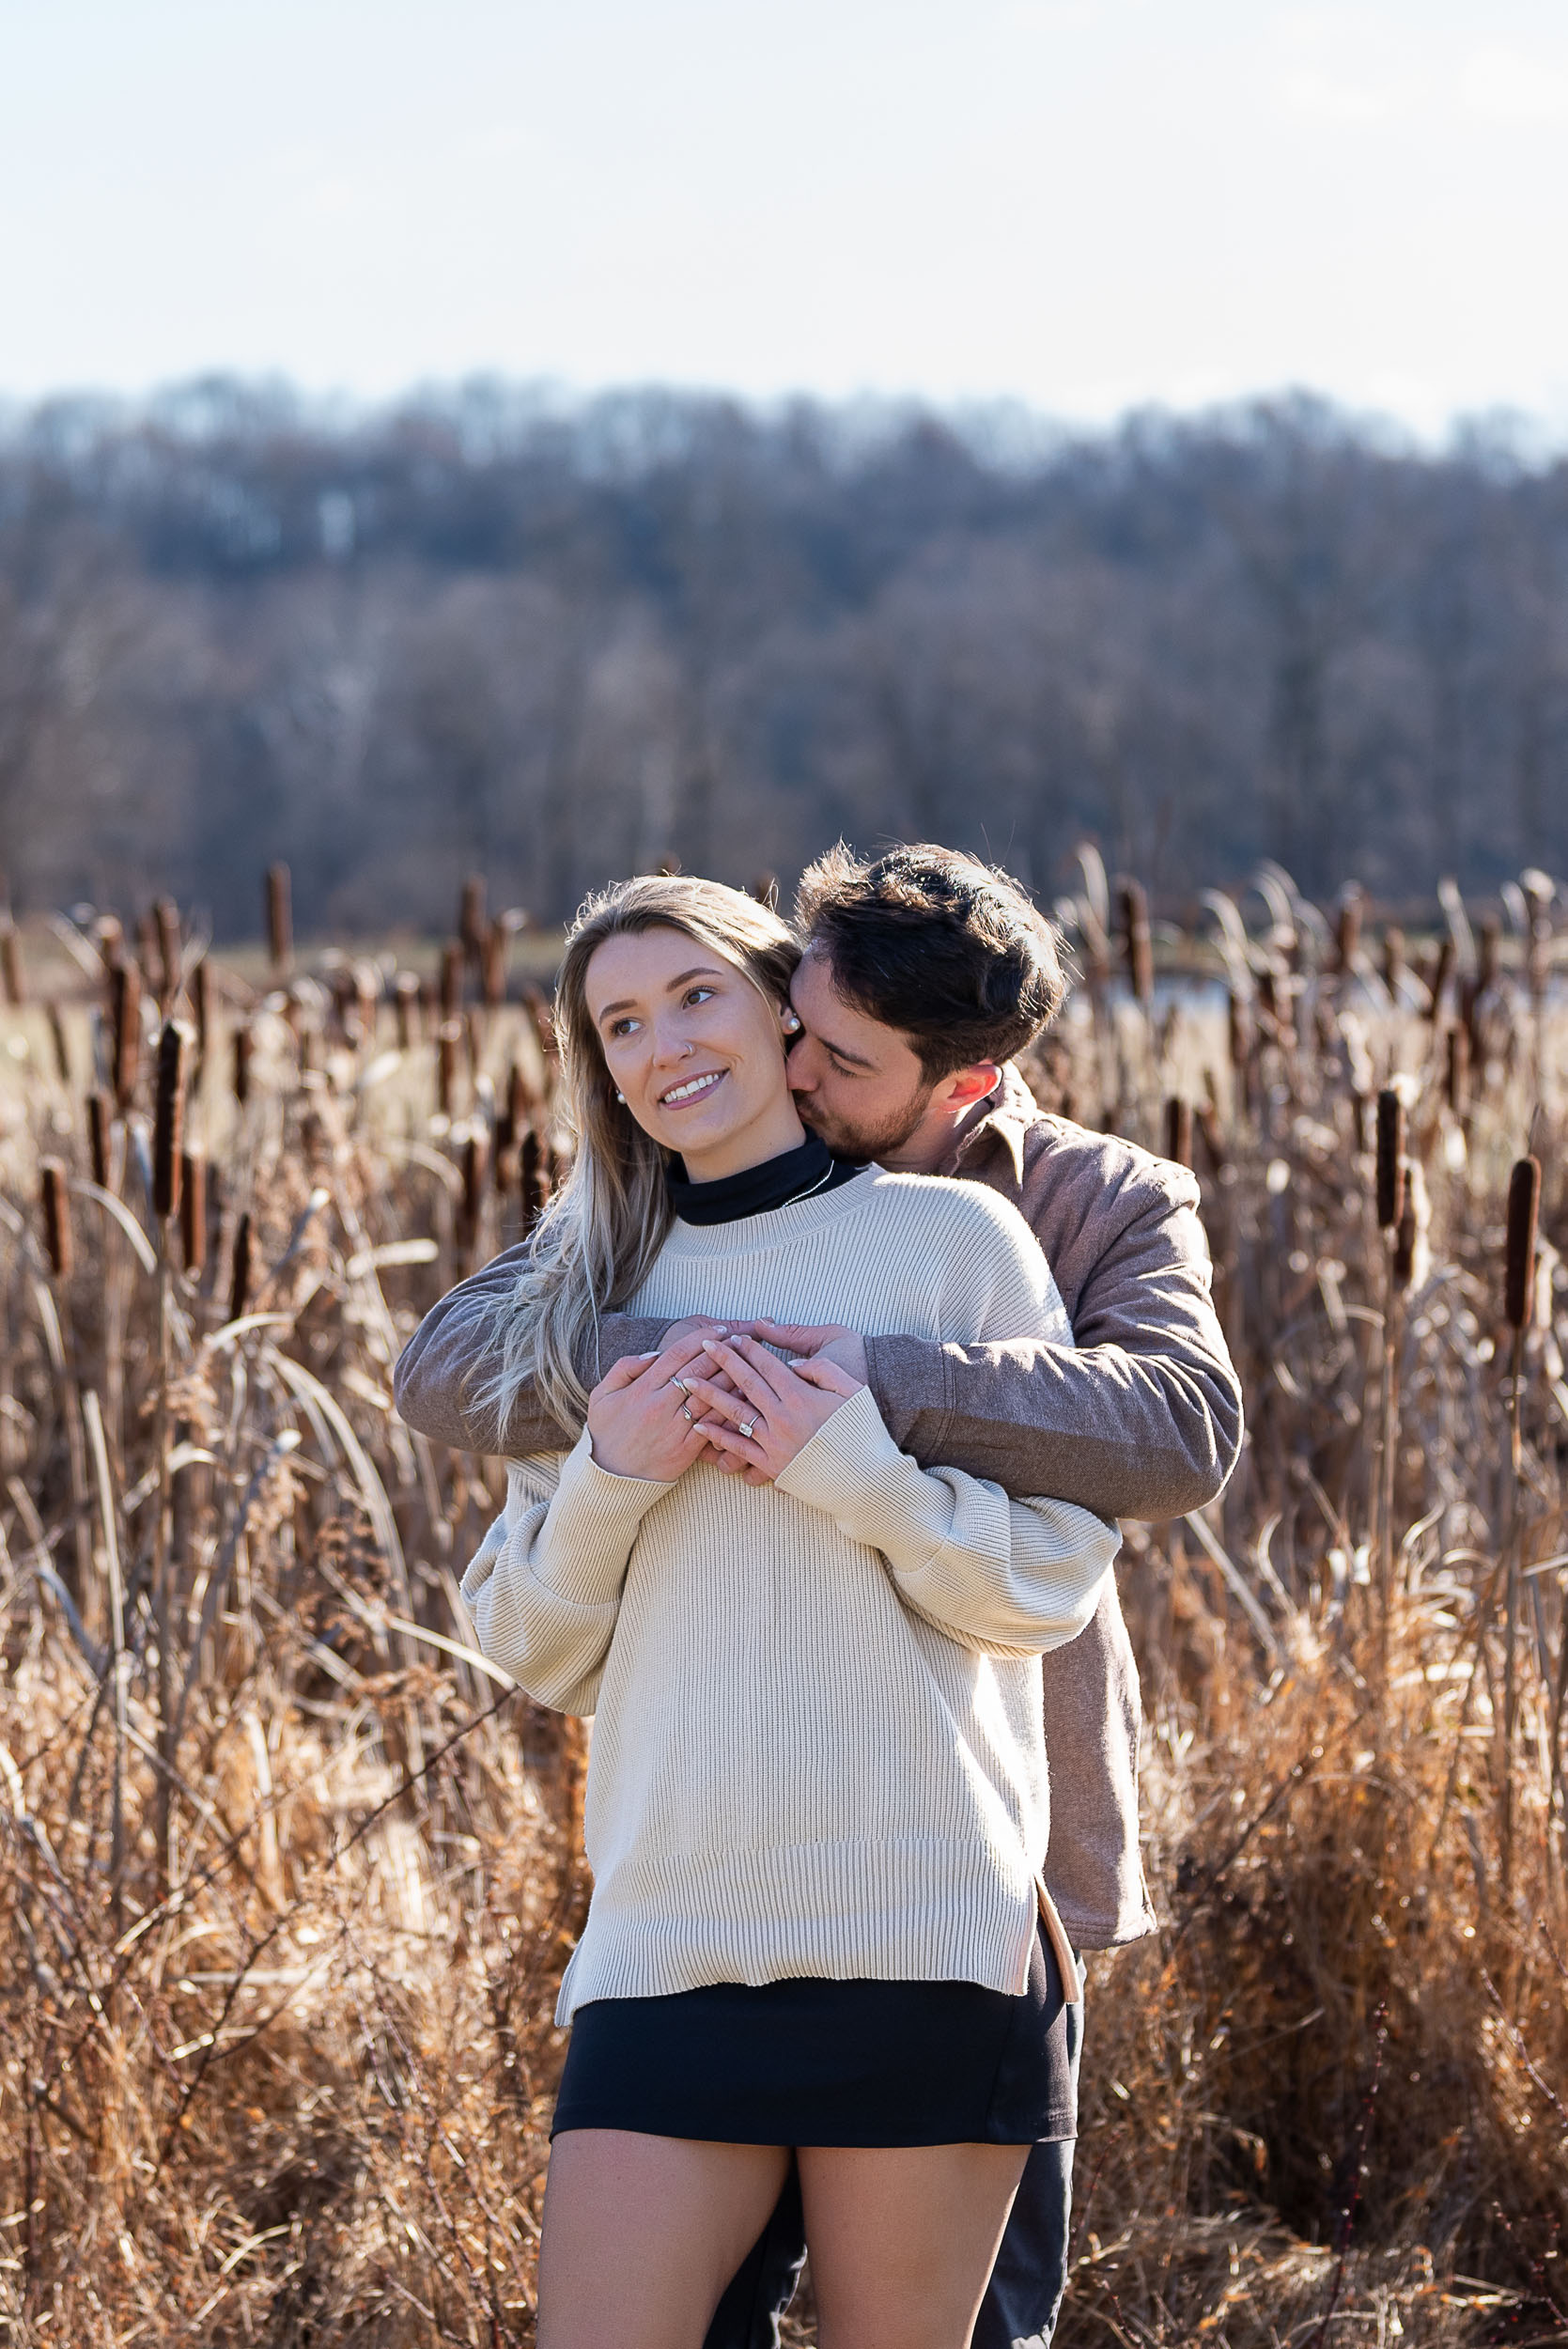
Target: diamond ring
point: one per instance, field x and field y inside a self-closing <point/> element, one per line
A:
<point x="745" y="1427"/>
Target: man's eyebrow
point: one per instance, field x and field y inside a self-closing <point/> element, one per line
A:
<point x="682" y="978"/>
<point x="841" y="1052"/>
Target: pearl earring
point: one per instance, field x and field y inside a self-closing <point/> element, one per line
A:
<point x="792" y="1023"/>
<point x="621" y="1097"/>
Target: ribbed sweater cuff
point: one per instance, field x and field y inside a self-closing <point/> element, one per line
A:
<point x="854" y="1471"/>
<point x="595" y="1517"/>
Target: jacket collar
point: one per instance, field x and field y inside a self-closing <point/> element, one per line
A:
<point x="1001" y="1121"/>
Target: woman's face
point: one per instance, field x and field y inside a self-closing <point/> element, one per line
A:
<point x="696" y="1049"/>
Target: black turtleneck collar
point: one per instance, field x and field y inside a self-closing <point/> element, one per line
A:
<point x="809" y="1173"/>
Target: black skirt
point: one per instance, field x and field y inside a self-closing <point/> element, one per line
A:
<point x="815" y="2062"/>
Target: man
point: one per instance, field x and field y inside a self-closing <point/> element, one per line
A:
<point x="923" y="974"/>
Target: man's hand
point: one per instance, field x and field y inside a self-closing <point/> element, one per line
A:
<point x="775" y="1408"/>
<point x="639" y="1416"/>
<point x="826" y="1341"/>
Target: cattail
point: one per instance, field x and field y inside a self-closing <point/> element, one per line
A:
<point x="168" y="1121"/>
<point x="193" y="1211"/>
<point x="280" y="917"/>
<point x="1393" y="959"/>
<point x="1179" y="1130"/>
<point x="1404" y="1246"/>
<point x="451" y="980"/>
<point x="57" y="1239"/>
<point x="99" y="1115"/>
<point x="12" y="973"/>
<point x="125" y="1012"/>
<point x="1523" y="1214"/>
<point x="475" y="1165"/>
<point x="165" y="914"/>
<point x="1238" y="1030"/>
<point x="470" y="916"/>
<point x="1136" y="941"/>
<point x="1347" y="928"/>
<point x="473" y="1042"/>
<point x="1214" y="1136"/>
<point x="1457" y="1072"/>
<point x="57" y="1038"/>
<point x="1441" y="974"/>
<point x="493" y="966"/>
<point x="1391" y="1158"/>
<point x="405" y="1000"/>
<point x="201" y="1004"/>
<point x="243" y="1047"/>
<point x="240" y="1283"/>
<point x="448" y="1040"/>
<point x="1488" y="943"/>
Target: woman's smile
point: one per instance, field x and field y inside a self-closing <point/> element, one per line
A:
<point x="692" y="1089"/>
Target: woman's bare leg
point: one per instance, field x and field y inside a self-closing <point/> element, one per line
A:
<point x="641" y="2234"/>
<point x="903" y="2239"/>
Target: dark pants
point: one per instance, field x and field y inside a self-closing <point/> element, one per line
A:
<point x="1022" y="2300"/>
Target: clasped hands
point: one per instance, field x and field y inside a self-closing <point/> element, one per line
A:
<point x="716" y="1392"/>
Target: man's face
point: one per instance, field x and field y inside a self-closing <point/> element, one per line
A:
<point x="857" y="1084"/>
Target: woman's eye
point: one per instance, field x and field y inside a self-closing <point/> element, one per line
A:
<point x="698" y="994"/>
<point x="621" y="1027"/>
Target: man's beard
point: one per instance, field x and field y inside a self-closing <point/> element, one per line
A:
<point x="866" y="1143"/>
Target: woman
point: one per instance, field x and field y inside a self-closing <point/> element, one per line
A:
<point x="817" y="1800"/>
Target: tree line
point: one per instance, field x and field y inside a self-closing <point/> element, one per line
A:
<point x="487" y="632"/>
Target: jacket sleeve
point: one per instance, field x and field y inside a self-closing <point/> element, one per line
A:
<point x="545" y="1587"/>
<point x="1000" y="1575"/>
<point x="1142" y="1419"/>
<point x="431" y="1383"/>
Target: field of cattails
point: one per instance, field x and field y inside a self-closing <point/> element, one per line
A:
<point x="287" y="1874"/>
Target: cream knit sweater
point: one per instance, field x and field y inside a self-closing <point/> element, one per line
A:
<point x="818" y="1744"/>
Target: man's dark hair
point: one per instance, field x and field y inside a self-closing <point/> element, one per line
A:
<point x="930" y="942"/>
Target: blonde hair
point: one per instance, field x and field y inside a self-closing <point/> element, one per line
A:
<point x="599" y="1235"/>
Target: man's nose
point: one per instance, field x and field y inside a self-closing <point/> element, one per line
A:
<point x="798" y="1067"/>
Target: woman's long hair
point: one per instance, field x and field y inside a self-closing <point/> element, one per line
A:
<point x="599" y="1235"/>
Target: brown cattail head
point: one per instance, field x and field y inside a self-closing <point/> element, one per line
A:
<point x="1347" y="928"/>
<point x="166" y="915"/>
<point x="492" y="962"/>
<point x="241" y="1065"/>
<point x="451" y="980"/>
<point x="12" y="973"/>
<point x="239" y="1283"/>
<point x="168" y="1120"/>
<point x="1405" y="1245"/>
<point x="1393" y="957"/>
<point x="125" y="1013"/>
<point x="1179" y="1130"/>
<point x="57" y="1240"/>
<point x="1456" y="1071"/>
<point x="470" y="916"/>
<point x="193" y="1211"/>
<point x="201" y="1004"/>
<point x="1442" y="971"/>
<point x="1524" y="1216"/>
<point x="57" y="1038"/>
<point x="1391" y="1158"/>
<point x="1137" y="945"/>
<point x="449" y="1043"/>
<point x="1488" y="939"/>
<point x="100" y="1114"/>
<point x="404" y="998"/>
<point x="280" y="916"/>
<point x="475" y="1167"/>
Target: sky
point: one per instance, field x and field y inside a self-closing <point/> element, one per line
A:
<point x="1081" y="205"/>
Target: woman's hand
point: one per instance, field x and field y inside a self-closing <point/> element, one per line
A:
<point x="640" y="1419"/>
<point x="775" y="1408"/>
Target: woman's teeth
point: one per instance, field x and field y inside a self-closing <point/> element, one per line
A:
<point x="690" y="1091"/>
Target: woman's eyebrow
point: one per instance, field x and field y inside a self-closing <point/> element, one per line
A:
<point x="683" y="978"/>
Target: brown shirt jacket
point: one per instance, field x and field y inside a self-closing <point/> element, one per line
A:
<point x="1142" y="1420"/>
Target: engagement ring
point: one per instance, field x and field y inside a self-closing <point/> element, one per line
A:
<point x="745" y="1427"/>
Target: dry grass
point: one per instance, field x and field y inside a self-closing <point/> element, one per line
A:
<point x="285" y="1883"/>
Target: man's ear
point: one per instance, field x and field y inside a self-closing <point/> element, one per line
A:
<point x="968" y="1085"/>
